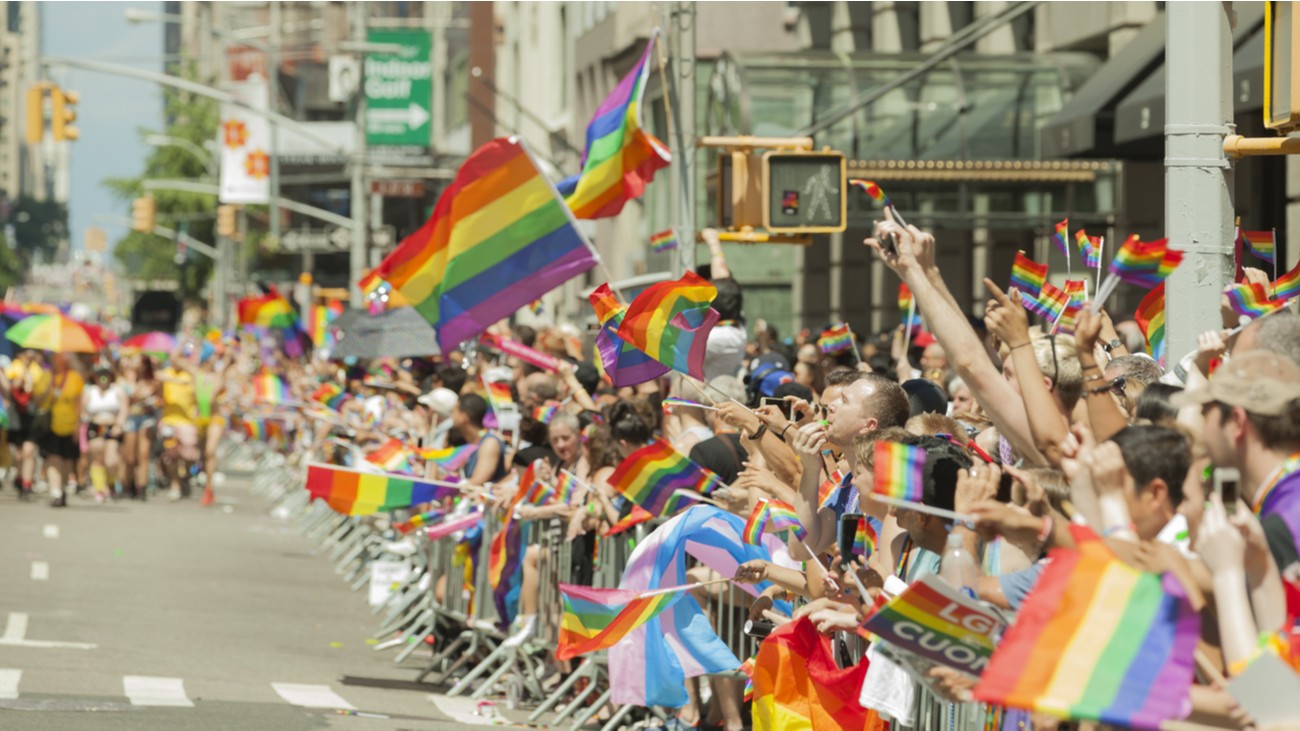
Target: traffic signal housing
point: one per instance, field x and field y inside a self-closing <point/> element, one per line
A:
<point x="62" y="114"/>
<point x="36" y="112"/>
<point x="144" y="213"/>
<point x="226" y="226"/>
<point x="804" y="192"/>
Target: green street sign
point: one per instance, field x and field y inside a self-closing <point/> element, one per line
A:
<point x="399" y="89"/>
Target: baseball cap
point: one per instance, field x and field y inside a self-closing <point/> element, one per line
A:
<point x="441" y="400"/>
<point x="1259" y="381"/>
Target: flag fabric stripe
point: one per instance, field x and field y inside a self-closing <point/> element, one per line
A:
<point x="670" y="322"/>
<point x="899" y="471"/>
<point x="1251" y="299"/>
<point x="595" y="619"/>
<point x="624" y="363"/>
<point x="1150" y="317"/>
<point x="1027" y="275"/>
<point x="1287" y="286"/>
<point x="650" y="475"/>
<point x="352" y="492"/>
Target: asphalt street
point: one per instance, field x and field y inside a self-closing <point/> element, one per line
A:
<point x="162" y="615"/>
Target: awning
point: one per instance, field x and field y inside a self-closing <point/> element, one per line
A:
<point x="1084" y="124"/>
<point x="1141" y="114"/>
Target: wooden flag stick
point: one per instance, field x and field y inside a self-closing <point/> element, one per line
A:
<point x="857" y="357"/>
<point x="813" y="557"/>
<point x="696" y="496"/>
<point x="923" y="508"/>
<point x="690" y="406"/>
<point x="683" y="587"/>
<point x="907" y="326"/>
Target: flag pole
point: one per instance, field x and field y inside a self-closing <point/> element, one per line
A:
<point x="923" y="508"/>
<point x="683" y="587"/>
<point x="857" y="357"/>
<point x="907" y="326"/>
<point x="1274" y="232"/>
<point x="1101" y="259"/>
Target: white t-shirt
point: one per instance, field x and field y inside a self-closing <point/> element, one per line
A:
<point x="725" y="352"/>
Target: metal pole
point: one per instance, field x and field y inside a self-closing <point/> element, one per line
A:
<point x="1198" y="178"/>
<point x="681" y="33"/>
<point x="242" y="256"/>
<point x="358" y="202"/>
<point x="273" y="61"/>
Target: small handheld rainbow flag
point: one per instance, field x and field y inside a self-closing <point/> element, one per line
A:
<point x="1089" y="249"/>
<point x="535" y="307"/>
<point x="1028" y="276"/>
<point x="595" y="619"/>
<point x="1150" y="318"/>
<point x="1060" y="237"/>
<point x="899" y="471"/>
<point x="907" y="307"/>
<point x="270" y="388"/>
<point x="652" y="475"/>
<point x="391" y="456"/>
<point x="864" y="539"/>
<point x="1259" y="243"/>
<point x="1145" y="263"/>
<point x="873" y="190"/>
<point x="1287" y="286"/>
<point x="352" y="492"/>
<point x="418" y="521"/>
<point x="498" y="395"/>
<point x="837" y="339"/>
<point x="672" y="402"/>
<point x="331" y="395"/>
<point x="1069" y="319"/>
<point x="1052" y="302"/>
<point x="638" y="516"/>
<point x="566" y="486"/>
<point x="546" y="412"/>
<point x="663" y="241"/>
<point x="449" y="459"/>
<point x="1077" y="289"/>
<point x="1251" y="299"/>
<point x="772" y="516"/>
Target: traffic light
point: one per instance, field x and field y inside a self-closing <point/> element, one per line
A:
<point x="36" y="112"/>
<point x="143" y="214"/>
<point x="63" y="114"/>
<point x="1281" y="84"/>
<point x="803" y="192"/>
<point x="226" y="227"/>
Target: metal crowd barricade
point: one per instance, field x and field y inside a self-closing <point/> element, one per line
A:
<point x="933" y="712"/>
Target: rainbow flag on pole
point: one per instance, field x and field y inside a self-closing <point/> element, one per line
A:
<point x="772" y="516"/>
<point x="353" y="492"/>
<point x="870" y="188"/>
<point x="1089" y="249"/>
<point x="651" y="475"/>
<point x="1145" y="263"/>
<point x="1098" y="640"/>
<point x="595" y="619"/>
<point x="624" y="363"/>
<point x="1260" y="243"/>
<point x="499" y="238"/>
<point x="448" y="459"/>
<point x="670" y="322"/>
<point x="899" y="471"/>
<point x="1251" y="299"/>
<point x="1287" y="286"/>
<point x="270" y="388"/>
<point x="1028" y="276"/>
<point x="391" y="456"/>
<point x="1059" y="238"/>
<point x="663" y="241"/>
<point x="837" y="339"/>
<point x="621" y="158"/>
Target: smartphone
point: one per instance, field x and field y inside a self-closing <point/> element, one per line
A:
<point x="1227" y="483"/>
<point x="785" y="407"/>
<point x="848" y="531"/>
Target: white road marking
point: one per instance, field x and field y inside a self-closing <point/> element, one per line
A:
<point x="51" y="530"/>
<point x="16" y="629"/>
<point x="9" y="683"/>
<point x="311" y="696"/>
<point x="40" y="571"/>
<point x="462" y="710"/>
<point x="146" y="691"/>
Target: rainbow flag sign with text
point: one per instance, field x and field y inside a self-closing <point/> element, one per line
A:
<point x="932" y="620"/>
<point x="499" y="238"/>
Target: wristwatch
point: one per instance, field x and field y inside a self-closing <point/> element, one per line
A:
<point x="1115" y="343"/>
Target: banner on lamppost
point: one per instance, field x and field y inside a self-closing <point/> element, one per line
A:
<point x="245" y="140"/>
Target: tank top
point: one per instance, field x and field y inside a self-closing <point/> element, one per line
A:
<point x="103" y="402"/>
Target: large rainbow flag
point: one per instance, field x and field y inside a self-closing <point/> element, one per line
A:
<point x="353" y="492"/>
<point x="651" y="475"/>
<point x="798" y="685"/>
<point x="269" y="310"/>
<point x="1097" y="640"/>
<point x="623" y="362"/>
<point x="621" y="158"/>
<point x="499" y="238"/>
<point x="670" y="322"/>
<point x="595" y="619"/>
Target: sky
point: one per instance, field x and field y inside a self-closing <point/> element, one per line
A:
<point x="111" y="109"/>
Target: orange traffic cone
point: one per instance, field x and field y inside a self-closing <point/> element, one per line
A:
<point x="207" y="498"/>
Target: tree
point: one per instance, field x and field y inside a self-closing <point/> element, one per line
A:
<point x="148" y="256"/>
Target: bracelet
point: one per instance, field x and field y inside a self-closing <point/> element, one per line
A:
<point x="781" y="436"/>
<point x="762" y="427"/>
<point x="1046" y="530"/>
<point x="1027" y="342"/>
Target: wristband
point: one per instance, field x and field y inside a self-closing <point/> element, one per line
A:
<point x="781" y="436"/>
<point x="1027" y="342"/>
<point x="762" y="427"/>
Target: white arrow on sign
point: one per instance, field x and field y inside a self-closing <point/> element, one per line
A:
<point x="413" y="116"/>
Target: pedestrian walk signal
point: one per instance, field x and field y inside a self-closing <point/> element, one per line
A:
<point x="1281" y="83"/>
<point x="143" y="214"/>
<point x="803" y="192"/>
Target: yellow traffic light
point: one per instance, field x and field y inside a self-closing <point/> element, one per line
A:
<point x="804" y="192"/>
<point x="36" y="112"/>
<point x="226" y="226"/>
<point x="63" y="114"/>
<point x="143" y="214"/>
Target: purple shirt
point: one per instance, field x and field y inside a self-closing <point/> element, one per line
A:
<point x="1280" y="516"/>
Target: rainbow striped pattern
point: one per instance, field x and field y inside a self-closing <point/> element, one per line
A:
<point x="1028" y="276"/>
<point x="532" y="490"/>
<point x="1052" y="302"/>
<point x="1097" y="640"/>
<point x="391" y="456"/>
<point x="352" y="492"/>
<point x="638" y="516"/>
<point x="621" y="158"/>
<point x="906" y="307"/>
<point x="546" y="412"/>
<point x="1287" y="286"/>
<point x="670" y="322"/>
<point x="873" y="190"/>
<point x="663" y="241"/>
<point x="499" y="238"/>
<point x="270" y="388"/>
<point x="1061" y="236"/>
<point x="1251" y="299"/>
<point x="331" y="395"/>
<point x="1145" y="263"/>
<point x="837" y="339"/>
<point x="622" y="362"/>
<point x="418" y="521"/>
<point x="650" y="476"/>
<point x="270" y="310"/>
<point x="595" y="619"/>
<point x="535" y="307"/>
<point x="498" y="395"/>
<point x="566" y="487"/>
<point x="1089" y="249"/>
<point x="771" y="516"/>
<point x="1260" y="243"/>
<point x="828" y="486"/>
<point x="448" y="459"/>
<point x="1070" y="318"/>
<point x="673" y="401"/>
<point x="1077" y="289"/>
<point x="899" y="471"/>
<point x="864" y="539"/>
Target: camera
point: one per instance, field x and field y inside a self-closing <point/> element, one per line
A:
<point x="759" y="629"/>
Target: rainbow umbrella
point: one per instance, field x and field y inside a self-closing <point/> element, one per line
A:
<point x="151" y="342"/>
<point x="57" y="333"/>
